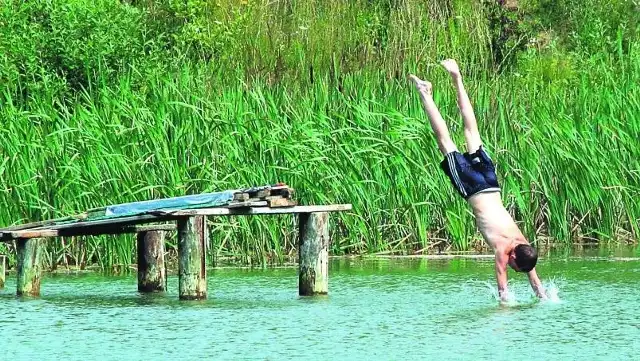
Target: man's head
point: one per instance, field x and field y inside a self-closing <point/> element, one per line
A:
<point x="523" y="258"/>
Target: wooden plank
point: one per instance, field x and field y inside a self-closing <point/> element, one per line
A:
<point x="254" y="190"/>
<point x="43" y="223"/>
<point x="280" y="187"/>
<point x="281" y="202"/>
<point x="256" y="210"/>
<point x="261" y="194"/>
<point x="83" y="231"/>
<point x="285" y="192"/>
<point x="246" y="204"/>
<point x="267" y="191"/>
<point x="44" y="233"/>
<point x="241" y="197"/>
<point x="150" y="227"/>
<point x="121" y="225"/>
<point x="120" y="221"/>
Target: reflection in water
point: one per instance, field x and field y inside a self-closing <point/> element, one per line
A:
<point x="387" y="309"/>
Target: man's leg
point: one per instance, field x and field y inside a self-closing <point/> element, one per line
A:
<point x="445" y="144"/>
<point x="471" y="133"/>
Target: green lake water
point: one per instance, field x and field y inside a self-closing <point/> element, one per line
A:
<point x="377" y="309"/>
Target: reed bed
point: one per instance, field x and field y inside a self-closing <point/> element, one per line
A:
<point x="339" y="126"/>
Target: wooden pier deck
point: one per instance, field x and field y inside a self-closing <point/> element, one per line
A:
<point x="150" y="220"/>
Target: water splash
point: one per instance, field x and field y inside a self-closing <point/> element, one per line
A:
<point x="510" y="298"/>
<point x="521" y="293"/>
<point x="552" y="291"/>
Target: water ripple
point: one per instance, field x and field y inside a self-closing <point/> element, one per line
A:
<point x="403" y="311"/>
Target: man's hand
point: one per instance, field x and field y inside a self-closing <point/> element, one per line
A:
<point x="501" y="276"/>
<point x="536" y="285"/>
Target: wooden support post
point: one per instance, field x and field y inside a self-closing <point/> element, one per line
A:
<point x="313" y="254"/>
<point x="29" y="268"/>
<point x="3" y="265"/>
<point x="152" y="273"/>
<point x="193" y="239"/>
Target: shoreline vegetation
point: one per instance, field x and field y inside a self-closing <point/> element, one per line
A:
<point x="105" y="102"/>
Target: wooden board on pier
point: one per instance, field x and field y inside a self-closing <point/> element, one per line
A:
<point x="127" y="218"/>
<point x="127" y="224"/>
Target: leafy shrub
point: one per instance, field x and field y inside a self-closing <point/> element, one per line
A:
<point x="199" y="29"/>
<point x="67" y="44"/>
<point x="590" y="26"/>
<point x="510" y="29"/>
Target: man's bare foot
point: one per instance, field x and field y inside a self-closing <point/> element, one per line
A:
<point x="452" y="67"/>
<point x="423" y="86"/>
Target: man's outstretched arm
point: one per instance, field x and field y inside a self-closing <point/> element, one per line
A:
<point x="536" y="285"/>
<point x="501" y="276"/>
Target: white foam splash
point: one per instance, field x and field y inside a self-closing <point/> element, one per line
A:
<point x="516" y="293"/>
<point x="552" y="290"/>
<point x="510" y="296"/>
<point x="492" y="290"/>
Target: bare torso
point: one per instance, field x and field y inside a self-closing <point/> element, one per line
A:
<point x="494" y="222"/>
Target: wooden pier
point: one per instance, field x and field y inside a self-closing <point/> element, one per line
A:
<point x="151" y="221"/>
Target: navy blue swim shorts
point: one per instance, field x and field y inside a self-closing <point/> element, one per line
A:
<point x="471" y="173"/>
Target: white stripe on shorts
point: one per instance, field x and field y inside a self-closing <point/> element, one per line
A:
<point x="454" y="173"/>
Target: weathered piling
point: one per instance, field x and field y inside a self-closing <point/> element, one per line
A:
<point x="152" y="274"/>
<point x="28" y="267"/>
<point x="3" y="270"/>
<point x="193" y="239"/>
<point x="313" y="254"/>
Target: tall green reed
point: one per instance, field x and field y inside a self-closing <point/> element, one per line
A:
<point x="326" y="108"/>
<point x="568" y="163"/>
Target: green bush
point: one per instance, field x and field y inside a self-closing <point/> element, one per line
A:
<point x="590" y="26"/>
<point x="200" y="29"/>
<point x="70" y="44"/>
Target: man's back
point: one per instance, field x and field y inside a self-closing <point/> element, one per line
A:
<point x="493" y="220"/>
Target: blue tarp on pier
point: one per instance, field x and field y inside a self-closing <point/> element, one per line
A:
<point x="197" y="200"/>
